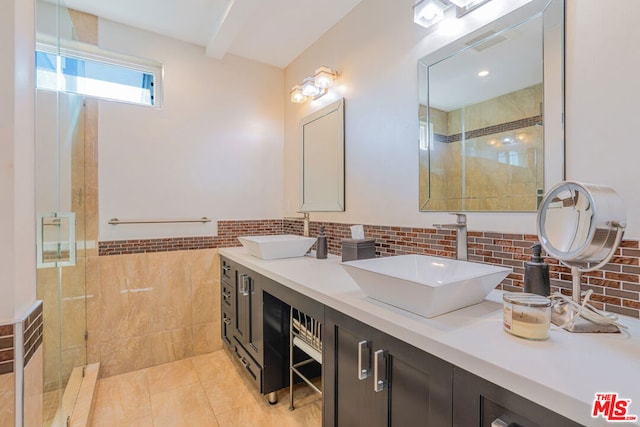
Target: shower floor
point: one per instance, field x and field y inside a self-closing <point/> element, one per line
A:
<point x="201" y="391"/>
<point x="50" y="403"/>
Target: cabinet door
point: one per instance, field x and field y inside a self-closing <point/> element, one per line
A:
<point x="480" y="403"/>
<point x="248" y="312"/>
<point x="378" y="380"/>
<point x="355" y="401"/>
<point x="419" y="385"/>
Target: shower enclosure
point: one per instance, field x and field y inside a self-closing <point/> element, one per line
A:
<point x="65" y="236"/>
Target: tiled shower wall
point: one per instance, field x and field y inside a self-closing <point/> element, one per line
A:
<point x="145" y="309"/>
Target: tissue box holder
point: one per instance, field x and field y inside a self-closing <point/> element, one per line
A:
<point x="353" y="249"/>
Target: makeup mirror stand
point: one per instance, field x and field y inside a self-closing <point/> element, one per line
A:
<point x="582" y="226"/>
<point x="572" y="321"/>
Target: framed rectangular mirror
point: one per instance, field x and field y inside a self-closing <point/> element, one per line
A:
<point x="491" y="108"/>
<point x="322" y="186"/>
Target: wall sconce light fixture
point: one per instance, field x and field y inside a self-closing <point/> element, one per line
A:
<point x="429" y="12"/>
<point x="314" y="86"/>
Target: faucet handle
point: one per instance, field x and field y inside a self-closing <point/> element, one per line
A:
<point x="461" y="218"/>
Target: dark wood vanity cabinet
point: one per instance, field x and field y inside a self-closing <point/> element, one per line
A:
<point x="480" y="403"/>
<point x="373" y="379"/>
<point x="255" y="324"/>
<point x="242" y="317"/>
<point x="369" y="378"/>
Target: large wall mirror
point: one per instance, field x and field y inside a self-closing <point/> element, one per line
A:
<point x="491" y="114"/>
<point x="322" y="187"/>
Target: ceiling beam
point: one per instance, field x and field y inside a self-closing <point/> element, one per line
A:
<point x="228" y="27"/>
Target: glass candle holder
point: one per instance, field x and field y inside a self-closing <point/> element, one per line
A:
<point x="526" y="315"/>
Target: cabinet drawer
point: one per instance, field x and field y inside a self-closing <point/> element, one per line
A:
<point x="226" y="296"/>
<point x="226" y="270"/>
<point x="478" y="402"/>
<point x="226" y="326"/>
<point x="251" y="366"/>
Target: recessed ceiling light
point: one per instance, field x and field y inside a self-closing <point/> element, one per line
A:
<point x="483" y="73"/>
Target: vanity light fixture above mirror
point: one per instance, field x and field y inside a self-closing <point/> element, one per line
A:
<point x="314" y="86"/>
<point x="429" y="12"/>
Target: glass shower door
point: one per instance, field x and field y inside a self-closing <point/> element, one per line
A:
<point x="61" y="218"/>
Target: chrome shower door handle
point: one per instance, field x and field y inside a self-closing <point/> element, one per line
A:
<point x="56" y="240"/>
<point x="363" y="367"/>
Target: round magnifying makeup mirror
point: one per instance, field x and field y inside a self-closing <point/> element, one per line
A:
<point x="582" y="226"/>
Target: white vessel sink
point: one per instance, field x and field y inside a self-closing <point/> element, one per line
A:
<point x="425" y="285"/>
<point x="277" y="246"/>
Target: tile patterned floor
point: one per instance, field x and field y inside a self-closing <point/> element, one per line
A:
<point x="201" y="391"/>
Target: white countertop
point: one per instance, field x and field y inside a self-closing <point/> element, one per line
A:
<point x="562" y="373"/>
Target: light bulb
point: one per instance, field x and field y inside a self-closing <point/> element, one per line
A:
<point x="296" y="95"/>
<point x="428" y="12"/>
<point x="309" y="87"/>
<point x="323" y="77"/>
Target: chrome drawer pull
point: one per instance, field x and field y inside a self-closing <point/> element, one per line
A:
<point x="499" y="422"/>
<point x="363" y="368"/>
<point x="245" y="285"/>
<point x="379" y="382"/>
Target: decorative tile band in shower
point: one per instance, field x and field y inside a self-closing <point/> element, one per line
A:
<point x="490" y="130"/>
<point x="33" y="328"/>
<point x="6" y="349"/>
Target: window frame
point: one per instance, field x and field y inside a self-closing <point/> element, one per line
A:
<point x="86" y="52"/>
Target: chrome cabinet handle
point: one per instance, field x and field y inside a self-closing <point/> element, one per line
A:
<point x="225" y="270"/>
<point x="499" y="422"/>
<point x="244" y="285"/>
<point x="379" y="381"/>
<point x="226" y="294"/>
<point x="227" y="321"/>
<point x="363" y="368"/>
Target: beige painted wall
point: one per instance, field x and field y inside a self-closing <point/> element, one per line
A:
<point x="17" y="215"/>
<point x="375" y="49"/>
<point x="213" y="149"/>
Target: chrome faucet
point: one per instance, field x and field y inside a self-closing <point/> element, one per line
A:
<point x="305" y="226"/>
<point x="461" y="235"/>
<point x="305" y="222"/>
